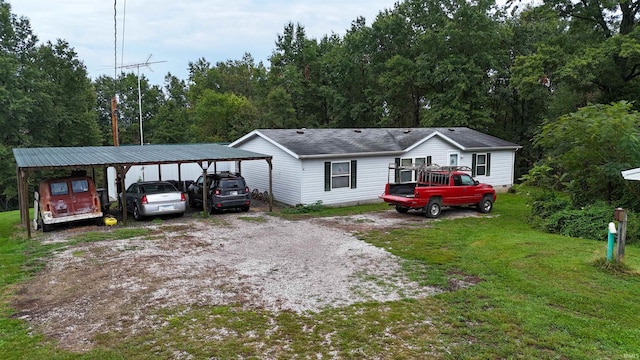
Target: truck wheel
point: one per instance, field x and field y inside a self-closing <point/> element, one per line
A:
<point x="486" y="205"/>
<point x="43" y="226"/>
<point x="402" y="209"/>
<point x="433" y="209"/>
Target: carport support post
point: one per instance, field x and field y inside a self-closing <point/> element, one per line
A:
<point x="205" y="190"/>
<point x="121" y="172"/>
<point x="270" y="184"/>
<point x="23" y="201"/>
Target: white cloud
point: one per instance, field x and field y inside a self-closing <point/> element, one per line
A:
<point x="180" y="32"/>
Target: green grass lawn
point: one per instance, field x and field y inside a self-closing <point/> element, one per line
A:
<point x="536" y="296"/>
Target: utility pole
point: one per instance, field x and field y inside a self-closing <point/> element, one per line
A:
<point x="138" y="66"/>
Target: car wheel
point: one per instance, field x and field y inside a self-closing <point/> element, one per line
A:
<point x="433" y="209"/>
<point x="245" y="208"/>
<point x="192" y="202"/>
<point x="402" y="209"/>
<point x="136" y="213"/>
<point x="486" y="205"/>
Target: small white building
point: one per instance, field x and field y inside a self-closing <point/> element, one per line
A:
<point x="350" y="166"/>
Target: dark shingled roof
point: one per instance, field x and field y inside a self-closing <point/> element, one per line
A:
<point x="317" y="142"/>
<point x="51" y="157"/>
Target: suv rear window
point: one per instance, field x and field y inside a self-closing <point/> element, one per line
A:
<point x="59" y="188"/>
<point x="231" y="183"/>
<point x="80" y="186"/>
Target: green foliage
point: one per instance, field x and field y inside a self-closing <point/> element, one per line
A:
<point x="588" y="223"/>
<point x="304" y="209"/>
<point x="590" y="147"/>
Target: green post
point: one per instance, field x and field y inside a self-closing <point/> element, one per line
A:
<point x="612" y="236"/>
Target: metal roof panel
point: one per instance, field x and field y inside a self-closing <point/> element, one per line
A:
<point x="47" y="157"/>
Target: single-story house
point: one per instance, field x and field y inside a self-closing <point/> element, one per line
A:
<point x="350" y="166"/>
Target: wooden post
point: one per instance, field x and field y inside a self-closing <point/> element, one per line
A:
<point x="20" y="203"/>
<point x="205" y="190"/>
<point x="621" y="216"/>
<point x="270" y="185"/>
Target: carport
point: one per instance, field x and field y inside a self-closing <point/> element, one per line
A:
<point x="122" y="158"/>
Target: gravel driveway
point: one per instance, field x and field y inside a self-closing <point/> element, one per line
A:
<point x="250" y="259"/>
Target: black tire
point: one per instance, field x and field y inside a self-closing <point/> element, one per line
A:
<point x="245" y="208"/>
<point x="43" y="226"/>
<point x="402" y="209"/>
<point x="433" y="209"/>
<point x="136" y="213"/>
<point x="46" y="228"/>
<point x="192" y="202"/>
<point x="486" y="205"/>
<point x="180" y="214"/>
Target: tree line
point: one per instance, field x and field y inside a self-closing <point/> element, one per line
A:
<point x="513" y="71"/>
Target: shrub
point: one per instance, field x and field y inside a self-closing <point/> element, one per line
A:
<point x="304" y="209"/>
<point x="588" y="223"/>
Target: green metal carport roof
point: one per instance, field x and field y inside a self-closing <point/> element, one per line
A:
<point x="66" y="157"/>
<point x="122" y="158"/>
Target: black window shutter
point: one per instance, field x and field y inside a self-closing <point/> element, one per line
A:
<point x="327" y="176"/>
<point x="428" y="160"/>
<point x="488" y="163"/>
<point x="354" y="171"/>
<point x="397" y="172"/>
<point x="473" y="165"/>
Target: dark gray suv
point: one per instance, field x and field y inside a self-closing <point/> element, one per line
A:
<point x="226" y="191"/>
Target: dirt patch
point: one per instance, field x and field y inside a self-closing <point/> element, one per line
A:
<point x="249" y="259"/>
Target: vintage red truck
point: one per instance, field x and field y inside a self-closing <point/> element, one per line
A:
<point x="437" y="187"/>
<point x="66" y="200"/>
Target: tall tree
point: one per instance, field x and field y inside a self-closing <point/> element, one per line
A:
<point x="590" y="147"/>
<point x="172" y="122"/>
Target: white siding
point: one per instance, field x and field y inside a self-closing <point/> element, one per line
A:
<point x="189" y="171"/>
<point x="286" y="171"/>
<point x="371" y="178"/>
<point x="501" y="174"/>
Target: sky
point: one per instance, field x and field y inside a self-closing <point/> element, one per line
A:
<point x="176" y="32"/>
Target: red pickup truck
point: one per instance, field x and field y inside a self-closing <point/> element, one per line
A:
<point x="437" y="186"/>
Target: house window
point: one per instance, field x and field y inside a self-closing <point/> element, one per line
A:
<point x="481" y="164"/>
<point x="453" y="159"/>
<point x="406" y="175"/>
<point x="340" y="174"/>
<point x="409" y="175"/>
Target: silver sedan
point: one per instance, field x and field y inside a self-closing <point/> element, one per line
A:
<point x="152" y="198"/>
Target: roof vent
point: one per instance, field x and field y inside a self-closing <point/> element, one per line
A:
<point x="406" y="131"/>
<point x="357" y="130"/>
<point x="300" y="131"/>
<point x="450" y="129"/>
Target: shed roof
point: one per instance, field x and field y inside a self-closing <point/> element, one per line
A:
<point x="51" y="157"/>
<point x="327" y="142"/>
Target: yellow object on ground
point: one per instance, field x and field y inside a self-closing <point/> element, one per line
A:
<point x="110" y="221"/>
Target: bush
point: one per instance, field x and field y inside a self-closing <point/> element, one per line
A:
<point x="588" y="223"/>
<point x="304" y="209"/>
